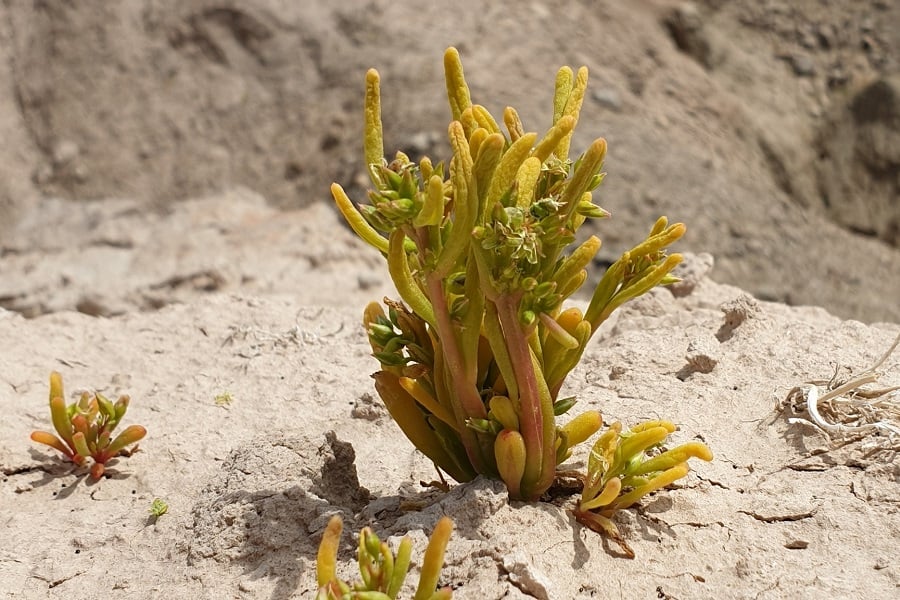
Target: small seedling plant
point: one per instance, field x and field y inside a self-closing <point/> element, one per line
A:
<point x="382" y="571"/>
<point x="84" y="429"/>
<point x="621" y="471"/>
<point x="158" y="508"/>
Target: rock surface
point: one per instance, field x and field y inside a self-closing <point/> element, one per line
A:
<point x="250" y="481"/>
<point x="709" y="117"/>
<point x="165" y="232"/>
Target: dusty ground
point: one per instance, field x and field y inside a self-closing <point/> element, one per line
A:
<point x="163" y="234"/>
<point x="779" y="513"/>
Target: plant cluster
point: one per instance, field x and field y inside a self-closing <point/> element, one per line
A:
<point x="620" y="472"/>
<point x="474" y="356"/>
<point x="85" y="428"/>
<point x="382" y="571"/>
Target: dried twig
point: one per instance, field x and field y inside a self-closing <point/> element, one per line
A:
<point x="846" y="409"/>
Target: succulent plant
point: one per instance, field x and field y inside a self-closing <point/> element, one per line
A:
<point x="382" y="571"/>
<point x="475" y="354"/>
<point x="85" y="428"/>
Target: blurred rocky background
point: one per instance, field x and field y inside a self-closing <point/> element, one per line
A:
<point x="170" y="137"/>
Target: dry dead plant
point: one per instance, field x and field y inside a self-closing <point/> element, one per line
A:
<point x="846" y="411"/>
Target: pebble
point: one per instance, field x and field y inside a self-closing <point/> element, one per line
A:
<point x="803" y="65"/>
<point x="526" y="577"/>
<point x="607" y="98"/>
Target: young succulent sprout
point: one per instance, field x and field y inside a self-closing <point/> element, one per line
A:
<point x="474" y="357"/>
<point x="84" y="428"/>
<point x="620" y="472"/>
<point x="382" y="572"/>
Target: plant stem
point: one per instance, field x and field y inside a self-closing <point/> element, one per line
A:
<point x="532" y="419"/>
<point x="464" y="396"/>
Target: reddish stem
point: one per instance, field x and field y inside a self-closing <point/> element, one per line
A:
<point x="466" y="400"/>
<point x="531" y="418"/>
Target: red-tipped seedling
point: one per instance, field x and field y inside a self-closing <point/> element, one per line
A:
<point x="85" y="428"/>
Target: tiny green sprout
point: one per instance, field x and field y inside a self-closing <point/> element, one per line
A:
<point x="159" y="507"/>
<point x="84" y="428"/>
<point x="620" y="472"/>
<point x="223" y="399"/>
<point x="382" y="571"/>
<point x="482" y="252"/>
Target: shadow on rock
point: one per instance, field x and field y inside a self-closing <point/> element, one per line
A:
<point x="265" y="509"/>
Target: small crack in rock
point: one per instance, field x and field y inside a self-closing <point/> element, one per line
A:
<point x="780" y="518"/>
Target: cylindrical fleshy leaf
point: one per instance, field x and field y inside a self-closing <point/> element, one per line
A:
<point x="56" y="386"/>
<point x="371" y="542"/>
<point x="672" y="457"/>
<point x="564" y="80"/>
<point x="132" y="434"/>
<point x="581" y="179"/>
<point x="107" y="408"/>
<point x="405" y="412"/>
<point x="401" y="566"/>
<point x="365" y="560"/>
<point x="357" y="222"/>
<point x="457" y="89"/>
<point x="552" y="138"/>
<point x="387" y="567"/>
<point x="374" y="144"/>
<point x="576" y="261"/>
<point x="509" y="451"/>
<point x="503" y="410"/>
<point x="486" y="160"/>
<point x="526" y="180"/>
<point x="121" y="407"/>
<point x="421" y="395"/>
<point x="60" y="417"/>
<point x="434" y="559"/>
<point x="81" y="425"/>
<point x="505" y="173"/>
<point x="563" y="337"/>
<point x="465" y="203"/>
<point x="103" y="439"/>
<point x="48" y="439"/>
<point x="572" y="109"/>
<point x="485" y="119"/>
<point x="476" y="139"/>
<point x="669" y="426"/>
<point x="601" y="457"/>
<point x="609" y="493"/>
<point x="513" y="124"/>
<point x="582" y="427"/>
<point x="91" y="436"/>
<point x="398" y="266"/>
<point x="635" y="443"/>
<point x="660" y="481"/>
<point x="326" y="559"/>
<point x="80" y="444"/>
<point x="433" y="209"/>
